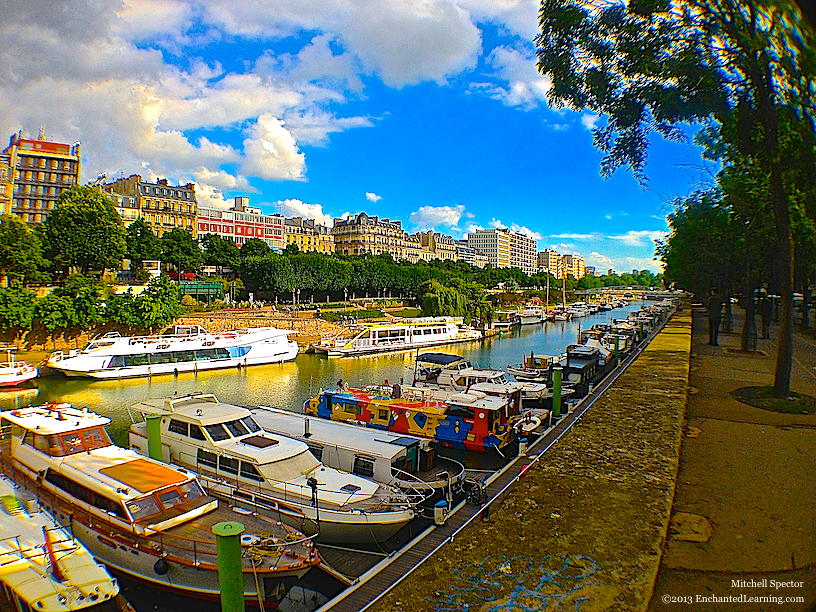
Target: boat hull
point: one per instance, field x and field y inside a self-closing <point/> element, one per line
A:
<point x="18" y="378"/>
<point x="390" y="348"/>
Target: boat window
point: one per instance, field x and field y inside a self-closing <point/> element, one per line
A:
<point x="250" y="424"/>
<point x="117" y="361"/>
<point x="69" y="486"/>
<point x="164" y="357"/>
<point x="170" y="498"/>
<point x="205" y="354"/>
<point x="139" y="359"/>
<point x="350" y="488"/>
<point x="222" y="353"/>
<point x="179" y="427"/>
<point x="460" y="411"/>
<point x="236" y="428"/>
<point x="71" y="442"/>
<point x="143" y="507"/>
<point x="190" y="490"/>
<point x="248" y="471"/>
<point x="228" y="464"/>
<point x="95" y="437"/>
<point x="217" y="432"/>
<point x="181" y="356"/>
<point x="364" y="466"/>
<point x="292" y="467"/>
<point x="317" y="451"/>
<point x="108" y="505"/>
<point x="196" y="433"/>
<point x="206" y="458"/>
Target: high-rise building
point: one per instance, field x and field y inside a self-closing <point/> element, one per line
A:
<point x="495" y="244"/>
<point x="161" y="205"/>
<point x="523" y="253"/>
<point x="573" y="264"/>
<point x="38" y="171"/>
<point x="550" y="261"/>
<point x="241" y="223"/>
<point x="590" y="270"/>
<point x="470" y="255"/>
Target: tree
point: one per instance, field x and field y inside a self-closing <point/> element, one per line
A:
<point x="179" y="248"/>
<point x="85" y="231"/>
<point x="20" y="251"/>
<point x="16" y="310"/>
<point x="159" y="303"/>
<point x="653" y="65"/>
<point x="254" y="247"/>
<point x="220" y="252"/>
<point x="291" y="249"/>
<point x="142" y="243"/>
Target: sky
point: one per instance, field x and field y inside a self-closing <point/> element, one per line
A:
<point x="430" y="112"/>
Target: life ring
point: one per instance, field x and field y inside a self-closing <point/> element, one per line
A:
<point x="527" y="425"/>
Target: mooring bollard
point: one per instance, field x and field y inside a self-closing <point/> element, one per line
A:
<point x="154" y="443"/>
<point x="556" y="376"/>
<point x="230" y="565"/>
<point x="440" y="512"/>
<point x="522" y="446"/>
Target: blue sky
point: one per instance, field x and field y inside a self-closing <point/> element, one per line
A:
<point x="430" y="112"/>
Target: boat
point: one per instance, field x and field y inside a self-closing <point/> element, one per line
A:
<point x="401" y="335"/>
<point x="140" y="517"/>
<point x="274" y="473"/>
<point x="470" y="420"/>
<point x="181" y="348"/>
<point x="529" y="316"/>
<point x="408" y="462"/>
<point x="505" y="320"/>
<point x="535" y="368"/>
<point x="43" y="567"/>
<point x="582" y="366"/>
<point x="14" y="372"/>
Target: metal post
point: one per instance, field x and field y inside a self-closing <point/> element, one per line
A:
<point x="556" y="376"/>
<point x="617" y="347"/>
<point x="230" y="565"/>
<point x="154" y="443"/>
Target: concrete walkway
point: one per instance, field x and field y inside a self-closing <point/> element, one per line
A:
<point x="744" y="510"/>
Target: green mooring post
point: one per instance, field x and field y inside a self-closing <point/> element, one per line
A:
<point x="556" y="393"/>
<point x="154" y="444"/>
<point x="617" y="348"/>
<point x="230" y="566"/>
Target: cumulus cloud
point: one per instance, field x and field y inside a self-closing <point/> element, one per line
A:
<point x="622" y="264"/>
<point x="271" y="152"/>
<point x="430" y="217"/>
<point x="581" y="237"/>
<point x="496" y="224"/>
<point x="521" y="229"/>
<point x="589" y="120"/>
<point x="525" y="86"/>
<point x="471" y="228"/>
<point x="298" y="208"/>
<point x="372" y="197"/>
<point x="639" y="238"/>
<point x="223" y="180"/>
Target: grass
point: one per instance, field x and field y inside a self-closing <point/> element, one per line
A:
<point x="762" y="397"/>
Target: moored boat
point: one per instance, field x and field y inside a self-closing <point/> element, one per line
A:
<point x="182" y="348"/>
<point x="141" y="517"/>
<point x="14" y="372"/>
<point x="275" y="473"/>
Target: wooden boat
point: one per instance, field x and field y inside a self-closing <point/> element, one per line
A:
<point x="471" y="421"/>
<point x="141" y="517"/>
<point x="182" y="348"/>
<point x="275" y="473"/>
<point x="14" y="372"/>
<point x="408" y="334"/>
<point x="43" y="567"/>
<point x="408" y="462"/>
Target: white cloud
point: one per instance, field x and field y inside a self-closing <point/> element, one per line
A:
<point x="639" y="238"/>
<point x="520" y="229"/>
<point x="601" y="262"/>
<point x="496" y="224"/>
<point x="271" y="152"/>
<point x="581" y="237"/>
<point x="223" y="180"/>
<point x="298" y="208"/>
<point x="210" y="197"/>
<point x="430" y="217"/>
<point x="372" y="197"/>
<point x="471" y="228"/>
<point x="623" y="264"/>
<point x="519" y="17"/>
<point x="589" y="120"/>
<point x="526" y="87"/>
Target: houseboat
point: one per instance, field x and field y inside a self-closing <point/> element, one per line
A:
<point x="583" y="366"/>
<point x="470" y="421"/>
<point x="182" y="348"/>
<point x="529" y="316"/>
<point x="14" y="372"/>
<point x="275" y="473"/>
<point x="43" y="567"/>
<point x="140" y="517"/>
<point x="408" y="334"/>
<point x="408" y="462"/>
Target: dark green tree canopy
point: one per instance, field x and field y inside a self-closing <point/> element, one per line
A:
<point x="254" y="247"/>
<point x="84" y="231"/>
<point x="142" y="243"/>
<point x="219" y="251"/>
<point x="21" y="258"/>
<point x="179" y="248"/>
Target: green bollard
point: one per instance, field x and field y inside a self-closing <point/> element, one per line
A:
<point x="556" y="375"/>
<point x="617" y="347"/>
<point x="154" y="443"/>
<point x="230" y="565"/>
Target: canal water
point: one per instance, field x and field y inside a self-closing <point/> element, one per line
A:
<point x="287" y="386"/>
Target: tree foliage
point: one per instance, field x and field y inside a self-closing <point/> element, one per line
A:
<point x="21" y="258"/>
<point x="142" y="243"/>
<point x="179" y="248"/>
<point x="220" y="252"/>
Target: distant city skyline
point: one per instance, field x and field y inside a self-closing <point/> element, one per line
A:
<point x="431" y="113"/>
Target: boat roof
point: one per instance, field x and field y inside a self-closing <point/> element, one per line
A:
<point x="442" y="359"/>
<point x="25" y="567"/>
<point x="52" y="419"/>
<point x="374" y="442"/>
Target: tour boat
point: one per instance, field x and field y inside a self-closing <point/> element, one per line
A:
<point x="239" y="459"/>
<point x="14" y="372"/>
<point x="408" y="462"/>
<point x="182" y="348"/>
<point x="471" y="421"/>
<point x="140" y="517"/>
<point x="43" y="567"/>
<point x="408" y="334"/>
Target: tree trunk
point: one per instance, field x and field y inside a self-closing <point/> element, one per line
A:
<point x="784" y="251"/>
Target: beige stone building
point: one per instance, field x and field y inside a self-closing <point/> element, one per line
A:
<point x="308" y="235"/>
<point x="435" y="245"/>
<point x="161" y="205"/>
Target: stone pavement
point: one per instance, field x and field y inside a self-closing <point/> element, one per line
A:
<point x="745" y="502"/>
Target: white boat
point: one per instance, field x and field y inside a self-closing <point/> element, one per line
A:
<point x="407" y="334"/>
<point x="141" y="517"/>
<point x="408" y="462"/>
<point x="226" y="445"/>
<point x="43" y="567"/>
<point x="529" y="316"/>
<point x="182" y="348"/>
<point x="14" y="372"/>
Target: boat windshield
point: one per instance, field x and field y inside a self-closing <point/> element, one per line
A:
<point x="95" y="345"/>
<point x="291" y="467"/>
<point x="73" y="442"/>
<point x="164" y="499"/>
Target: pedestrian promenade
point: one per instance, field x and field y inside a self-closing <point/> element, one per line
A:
<point x="744" y="511"/>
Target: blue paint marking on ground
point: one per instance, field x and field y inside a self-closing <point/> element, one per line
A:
<point x="537" y="586"/>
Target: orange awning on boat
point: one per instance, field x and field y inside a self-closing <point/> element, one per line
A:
<point x="144" y="475"/>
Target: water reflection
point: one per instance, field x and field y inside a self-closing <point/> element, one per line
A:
<point x="288" y="385"/>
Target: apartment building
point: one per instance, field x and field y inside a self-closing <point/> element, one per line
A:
<point x="523" y="253"/>
<point x="363" y="234"/>
<point x="495" y="244"/>
<point x="162" y="205"/>
<point x="242" y="223"/>
<point x="308" y="235"/>
<point x="470" y="255"/>
<point x="573" y="264"/>
<point x="36" y="172"/>
<point x="437" y="246"/>
<point x="550" y="261"/>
